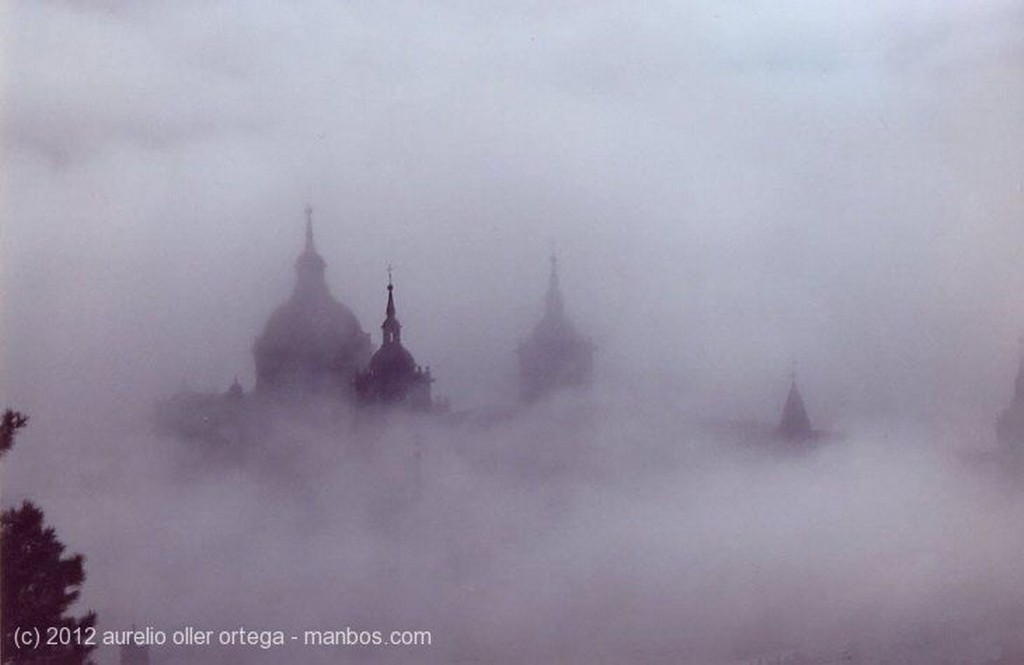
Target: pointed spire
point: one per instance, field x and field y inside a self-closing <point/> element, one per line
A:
<point x="1019" y="386"/>
<point x="310" y="265"/>
<point x="553" y="305"/>
<point x="310" y="248"/>
<point x="794" y="423"/>
<point x="391" y="327"/>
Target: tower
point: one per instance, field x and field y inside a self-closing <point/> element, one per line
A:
<point x="554" y="356"/>
<point x="794" y="424"/>
<point x="393" y="377"/>
<point x="1010" y="424"/>
<point x="312" y="344"/>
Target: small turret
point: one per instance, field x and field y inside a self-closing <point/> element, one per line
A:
<point x="554" y="307"/>
<point x="1018" y="393"/>
<point x="1010" y="424"/>
<point x="235" y="391"/>
<point x="134" y="654"/>
<point x="393" y="376"/>
<point x="794" y="424"/>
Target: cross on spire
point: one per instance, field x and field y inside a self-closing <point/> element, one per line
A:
<point x="391" y="327"/>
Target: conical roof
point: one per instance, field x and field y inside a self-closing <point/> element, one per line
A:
<point x="794" y="423"/>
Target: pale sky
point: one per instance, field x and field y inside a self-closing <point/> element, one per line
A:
<point x="730" y="186"/>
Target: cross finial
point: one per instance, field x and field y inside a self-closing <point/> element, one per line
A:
<point x="309" y="213"/>
<point x="389" y="276"/>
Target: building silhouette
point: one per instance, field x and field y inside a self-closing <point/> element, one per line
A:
<point x="554" y="356"/>
<point x="794" y="424"/>
<point x="1010" y="424"/>
<point x="393" y="377"/>
<point x="222" y="419"/>
<point x="134" y="654"/>
<point x="312" y="344"/>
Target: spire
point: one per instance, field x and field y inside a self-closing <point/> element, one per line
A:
<point x="310" y="265"/>
<point x="1019" y="386"/>
<point x="391" y="327"/>
<point x="553" y="305"/>
<point x="310" y="248"/>
<point x="794" y="424"/>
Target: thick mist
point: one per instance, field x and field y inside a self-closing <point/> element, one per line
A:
<point x="730" y="188"/>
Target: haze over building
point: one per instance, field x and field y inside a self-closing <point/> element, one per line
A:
<point x="312" y="344"/>
<point x="1010" y="424"/>
<point x="554" y="356"/>
<point x="795" y="425"/>
<point x="729" y="183"/>
<point x="393" y="377"/>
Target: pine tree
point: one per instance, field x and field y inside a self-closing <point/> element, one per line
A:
<point x="10" y="423"/>
<point x="39" y="582"/>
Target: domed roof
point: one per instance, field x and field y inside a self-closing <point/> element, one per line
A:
<point x="393" y="377"/>
<point x="392" y="359"/>
<point x="553" y="356"/>
<point x="311" y="341"/>
<point x="318" y="328"/>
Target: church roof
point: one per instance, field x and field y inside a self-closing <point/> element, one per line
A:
<point x="1010" y="423"/>
<point x="1018" y="392"/>
<point x="392" y="357"/>
<point x="553" y="356"/>
<point x="554" y="327"/>
<point x="794" y="423"/>
<point x="311" y="329"/>
<point x="318" y="327"/>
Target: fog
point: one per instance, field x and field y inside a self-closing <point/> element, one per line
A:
<point x="730" y="187"/>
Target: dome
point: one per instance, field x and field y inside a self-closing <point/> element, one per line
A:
<point x="312" y="342"/>
<point x="327" y="331"/>
<point x="392" y="359"/>
<point x="554" y="356"/>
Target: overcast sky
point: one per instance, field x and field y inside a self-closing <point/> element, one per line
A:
<point x="730" y="186"/>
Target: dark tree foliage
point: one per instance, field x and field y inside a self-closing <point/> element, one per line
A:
<point x="39" y="584"/>
<point x="11" y="422"/>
